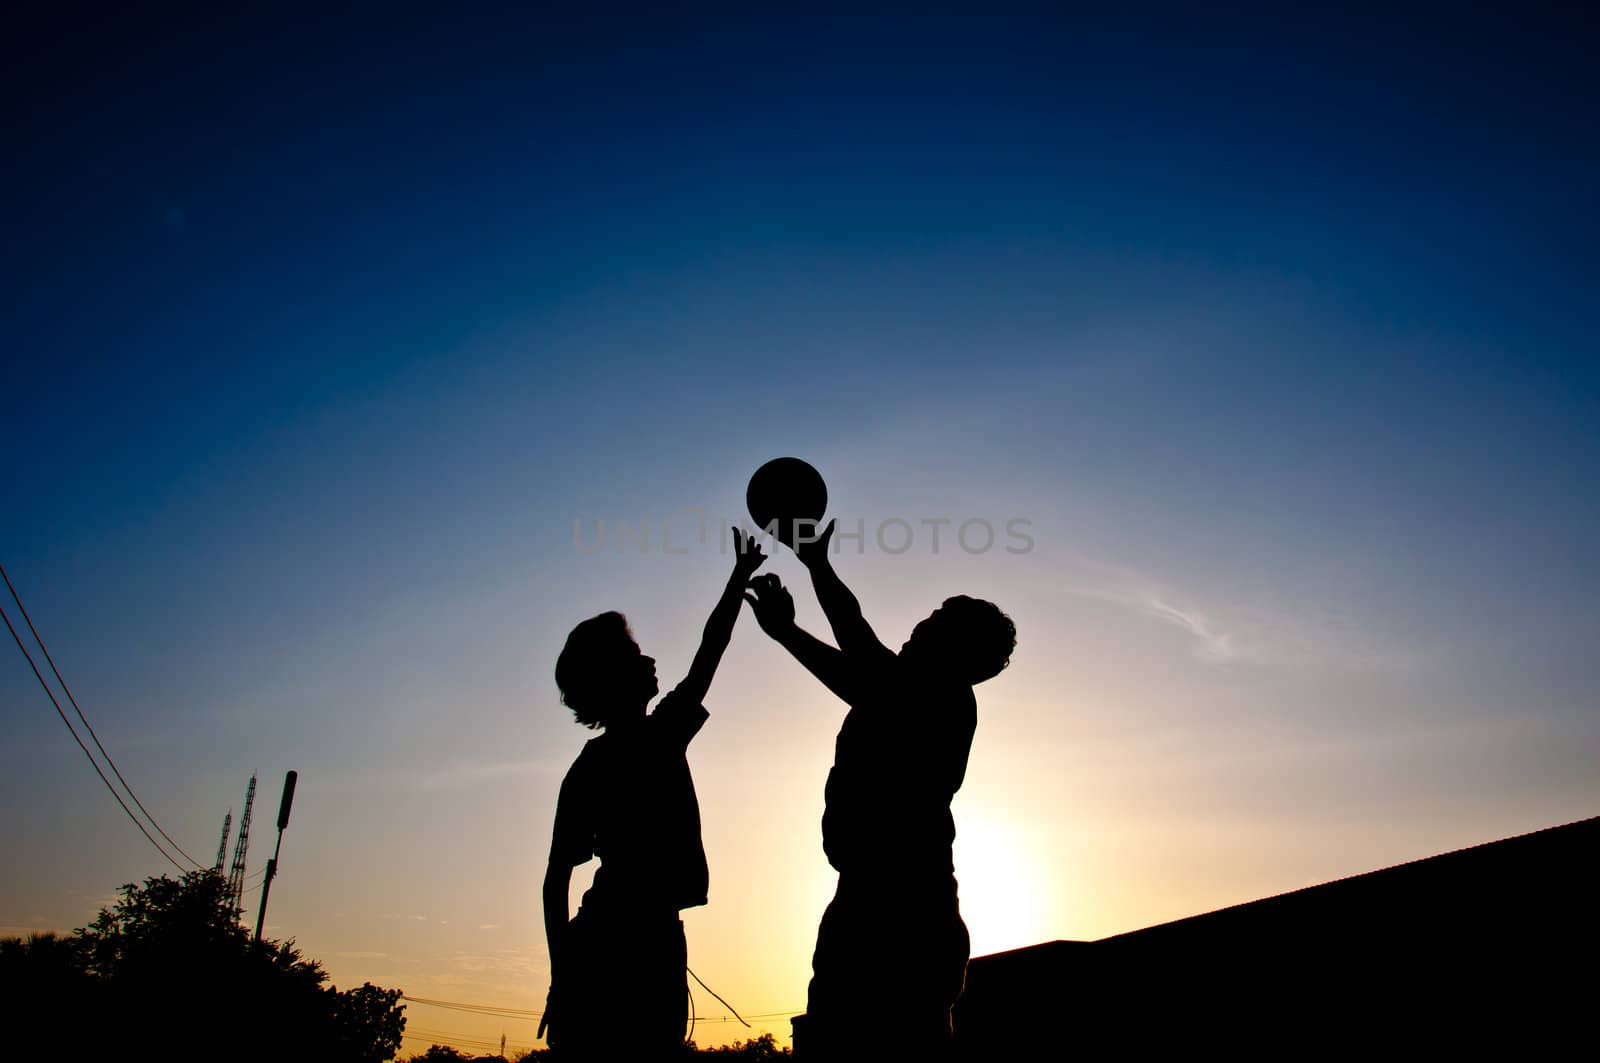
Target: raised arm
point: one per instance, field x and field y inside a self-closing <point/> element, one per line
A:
<point x="774" y="610"/>
<point x="719" y="627"/>
<point x="850" y="629"/>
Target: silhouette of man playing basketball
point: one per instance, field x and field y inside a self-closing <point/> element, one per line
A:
<point x="630" y="800"/>
<point x="891" y="946"/>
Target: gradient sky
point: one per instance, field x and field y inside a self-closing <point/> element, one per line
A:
<point x="1278" y="331"/>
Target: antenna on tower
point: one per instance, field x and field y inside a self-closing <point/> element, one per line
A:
<point x="222" y="846"/>
<point x="240" y="848"/>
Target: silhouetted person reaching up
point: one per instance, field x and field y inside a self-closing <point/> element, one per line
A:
<point x="617" y="985"/>
<point x="892" y="949"/>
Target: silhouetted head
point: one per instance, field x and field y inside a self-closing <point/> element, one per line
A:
<point x="603" y="675"/>
<point x="968" y="637"/>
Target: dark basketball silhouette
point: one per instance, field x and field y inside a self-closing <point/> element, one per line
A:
<point x="892" y="942"/>
<point x="629" y="799"/>
<point x="788" y="496"/>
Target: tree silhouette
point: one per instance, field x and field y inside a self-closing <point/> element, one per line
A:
<point x="439" y="1054"/>
<point x="368" y="1022"/>
<point x="755" y="1050"/>
<point x="170" y="962"/>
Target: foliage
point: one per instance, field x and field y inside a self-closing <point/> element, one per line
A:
<point x="439" y="1054"/>
<point x="368" y="1022"/>
<point x="756" y="1050"/>
<point x="753" y="1050"/>
<point x="170" y="961"/>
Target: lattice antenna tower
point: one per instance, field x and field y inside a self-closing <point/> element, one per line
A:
<point x="222" y="846"/>
<point x="242" y="846"/>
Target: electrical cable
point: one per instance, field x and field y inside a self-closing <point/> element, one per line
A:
<point x="87" y="725"/>
<point x="496" y="1011"/>
<point x="440" y="1037"/>
<point x="713" y="992"/>
<point x="528" y="1015"/>
<point x="51" y="695"/>
<point x="478" y="1009"/>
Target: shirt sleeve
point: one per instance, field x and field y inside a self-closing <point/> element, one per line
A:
<point x="572" y="841"/>
<point x="679" y="718"/>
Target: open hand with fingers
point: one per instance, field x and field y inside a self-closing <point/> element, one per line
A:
<point x="772" y="604"/>
<point x="813" y="549"/>
<point x="748" y="555"/>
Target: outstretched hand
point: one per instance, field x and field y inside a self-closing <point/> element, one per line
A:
<point x="748" y="555"/>
<point x="814" y="551"/>
<point x="771" y="603"/>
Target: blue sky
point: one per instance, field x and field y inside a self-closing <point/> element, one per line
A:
<point x="1279" y="330"/>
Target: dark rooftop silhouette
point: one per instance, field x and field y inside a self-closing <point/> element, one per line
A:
<point x="1483" y="945"/>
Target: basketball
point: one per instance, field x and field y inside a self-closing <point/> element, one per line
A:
<point x="788" y="496"/>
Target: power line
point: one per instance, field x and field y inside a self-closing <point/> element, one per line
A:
<point x="713" y="992"/>
<point x="496" y="1011"/>
<point x="526" y="1015"/>
<point x="51" y="695"/>
<point x="787" y="1014"/>
<point x="481" y="1039"/>
<point x="439" y="1037"/>
<point x="87" y="725"/>
<point x="477" y="1009"/>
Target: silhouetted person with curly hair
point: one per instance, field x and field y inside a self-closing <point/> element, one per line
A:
<point x="629" y="799"/>
<point x="892" y="948"/>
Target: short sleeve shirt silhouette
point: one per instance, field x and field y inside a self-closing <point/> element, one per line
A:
<point x="900" y="757"/>
<point x="629" y="799"/>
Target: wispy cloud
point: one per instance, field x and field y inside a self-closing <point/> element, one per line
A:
<point x="1212" y="641"/>
<point x="472" y="773"/>
<point x="520" y="962"/>
<point x="1245" y="631"/>
<point x="458" y="773"/>
<point x="453" y="774"/>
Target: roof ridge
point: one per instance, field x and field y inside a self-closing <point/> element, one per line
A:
<point x="1359" y="874"/>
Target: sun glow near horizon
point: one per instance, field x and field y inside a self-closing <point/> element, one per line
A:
<point x="1004" y="887"/>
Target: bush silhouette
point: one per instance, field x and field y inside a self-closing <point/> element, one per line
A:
<point x="169" y="964"/>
